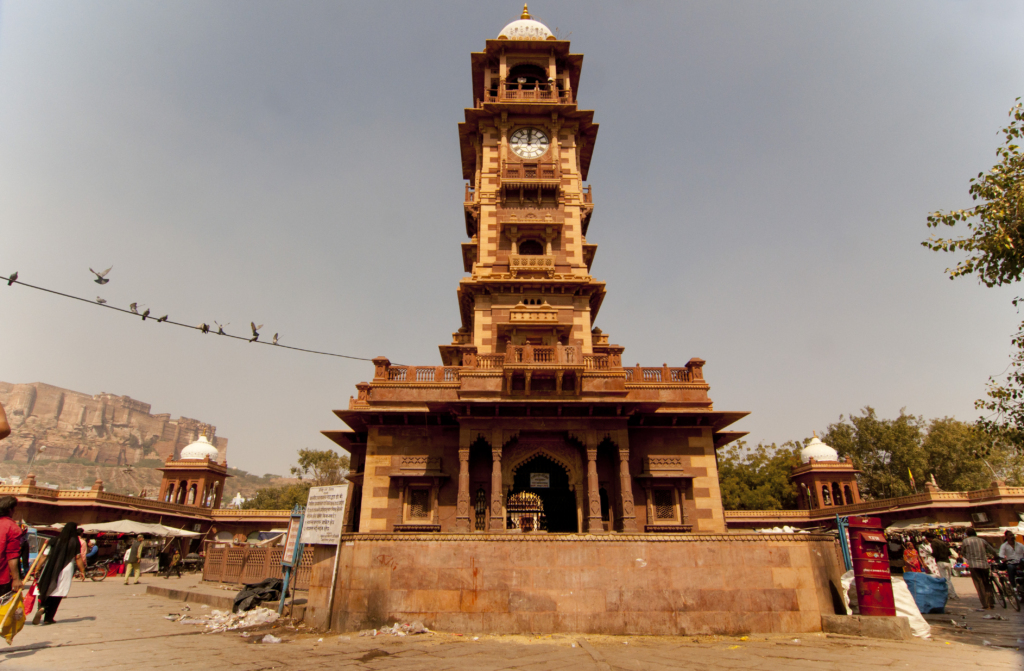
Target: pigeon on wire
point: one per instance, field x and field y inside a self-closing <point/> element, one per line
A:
<point x="134" y="307"/>
<point x="145" y="314"/>
<point x="101" y="278"/>
<point x="220" y="327"/>
<point x="204" y="327"/>
<point x="255" y="331"/>
<point x="162" y="319"/>
<point x="275" y="338"/>
<point x="101" y="301"/>
<point x="12" y="278"/>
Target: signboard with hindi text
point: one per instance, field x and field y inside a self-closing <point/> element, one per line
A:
<point x="325" y="511"/>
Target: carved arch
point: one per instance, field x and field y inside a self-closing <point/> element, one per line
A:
<point x="565" y="456"/>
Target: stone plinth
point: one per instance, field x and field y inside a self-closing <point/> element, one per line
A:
<point x="614" y="584"/>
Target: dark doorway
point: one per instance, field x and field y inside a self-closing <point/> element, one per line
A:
<point x="559" y="501"/>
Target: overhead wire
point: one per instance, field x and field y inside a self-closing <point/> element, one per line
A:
<point x="10" y="280"/>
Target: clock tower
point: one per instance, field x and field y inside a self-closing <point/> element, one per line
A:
<point x="526" y="150"/>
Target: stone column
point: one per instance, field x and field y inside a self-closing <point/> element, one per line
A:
<point x="462" y="509"/>
<point x="594" y="523"/>
<point x="497" y="507"/>
<point x="626" y="487"/>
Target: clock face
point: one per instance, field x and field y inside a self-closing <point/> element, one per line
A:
<point x="529" y="142"/>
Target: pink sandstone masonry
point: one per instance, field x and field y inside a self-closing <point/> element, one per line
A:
<point x="621" y="584"/>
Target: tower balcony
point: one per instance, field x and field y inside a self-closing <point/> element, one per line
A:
<point x="512" y="92"/>
<point x="524" y="263"/>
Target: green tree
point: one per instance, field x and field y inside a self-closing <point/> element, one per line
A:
<point x="758" y="479"/>
<point x="955" y="453"/>
<point x="279" y="498"/>
<point x="884" y="449"/>
<point x="316" y="468"/>
<point x="994" y="243"/>
<point x="321" y="467"/>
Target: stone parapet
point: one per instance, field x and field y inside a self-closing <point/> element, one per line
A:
<point x="670" y="584"/>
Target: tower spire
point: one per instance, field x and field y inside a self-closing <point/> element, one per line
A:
<point x="526" y="11"/>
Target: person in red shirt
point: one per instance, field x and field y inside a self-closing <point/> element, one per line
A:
<point x="10" y="547"/>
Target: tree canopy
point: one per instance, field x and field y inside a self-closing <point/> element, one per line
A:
<point x="960" y="456"/>
<point x="316" y="468"/>
<point x="995" y="226"/>
<point x="994" y="243"/>
<point x="758" y="479"/>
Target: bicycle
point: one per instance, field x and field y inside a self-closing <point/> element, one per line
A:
<point x="1002" y="587"/>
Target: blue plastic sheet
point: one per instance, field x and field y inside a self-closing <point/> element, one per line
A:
<point x="929" y="592"/>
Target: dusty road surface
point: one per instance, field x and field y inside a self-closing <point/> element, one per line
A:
<point x="110" y="626"/>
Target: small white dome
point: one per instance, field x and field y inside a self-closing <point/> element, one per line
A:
<point x="818" y="451"/>
<point x="199" y="450"/>
<point x="525" y="28"/>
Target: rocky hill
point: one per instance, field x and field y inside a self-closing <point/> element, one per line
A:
<point x="53" y="424"/>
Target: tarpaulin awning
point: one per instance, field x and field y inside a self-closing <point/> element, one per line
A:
<point x="129" y="527"/>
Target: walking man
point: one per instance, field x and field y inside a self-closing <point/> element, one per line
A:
<point x="134" y="560"/>
<point x="10" y="547"/>
<point x="940" y="551"/>
<point x="976" y="551"/>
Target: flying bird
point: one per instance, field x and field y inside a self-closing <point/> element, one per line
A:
<point x="275" y="338"/>
<point x="101" y="301"/>
<point x="101" y="278"/>
<point x="205" y="328"/>
<point x="12" y="278"/>
<point x="145" y="314"/>
<point x="162" y="319"/>
<point x="255" y="331"/>
<point x="220" y="327"/>
<point x="134" y="307"/>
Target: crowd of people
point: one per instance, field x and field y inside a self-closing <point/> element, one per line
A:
<point x="930" y="553"/>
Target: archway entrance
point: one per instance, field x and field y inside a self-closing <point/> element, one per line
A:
<point x="550" y="482"/>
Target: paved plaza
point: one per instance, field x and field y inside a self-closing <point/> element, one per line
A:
<point x="110" y="626"/>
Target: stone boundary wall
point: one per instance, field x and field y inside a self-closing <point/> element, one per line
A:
<point x="601" y="584"/>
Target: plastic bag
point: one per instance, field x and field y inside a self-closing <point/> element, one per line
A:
<point x="906" y="606"/>
<point x="30" y="602"/>
<point x="12" y="617"/>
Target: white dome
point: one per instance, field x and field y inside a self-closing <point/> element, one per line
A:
<point x="525" y="28"/>
<point x="818" y="451"/>
<point x="199" y="450"/>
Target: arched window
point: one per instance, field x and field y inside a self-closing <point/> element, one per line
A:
<point x="191" y="495"/>
<point x="849" y="494"/>
<point x="213" y="494"/>
<point x="605" y="508"/>
<point x="837" y="494"/>
<point x="526" y="77"/>
<point x="825" y="496"/>
<point x="169" y="496"/>
<point x="182" y="491"/>
<point x="531" y="248"/>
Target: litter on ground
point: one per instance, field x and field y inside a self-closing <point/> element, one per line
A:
<point x="222" y="620"/>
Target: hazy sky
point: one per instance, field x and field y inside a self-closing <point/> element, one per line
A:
<point x="761" y="178"/>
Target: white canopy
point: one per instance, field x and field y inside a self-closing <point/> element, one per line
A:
<point x="129" y="527"/>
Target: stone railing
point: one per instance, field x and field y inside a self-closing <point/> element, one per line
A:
<point x="432" y="374"/>
<point x="588" y="195"/>
<point x="691" y="372"/>
<point x="530" y="170"/>
<point x="513" y="92"/>
<point x="523" y="263"/>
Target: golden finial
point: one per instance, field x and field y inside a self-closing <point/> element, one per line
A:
<point x="526" y="11"/>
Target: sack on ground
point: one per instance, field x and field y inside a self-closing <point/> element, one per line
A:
<point x="929" y="592"/>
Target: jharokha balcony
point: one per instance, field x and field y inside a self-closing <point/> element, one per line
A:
<point x="534" y="372"/>
<point x="513" y="92"/>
